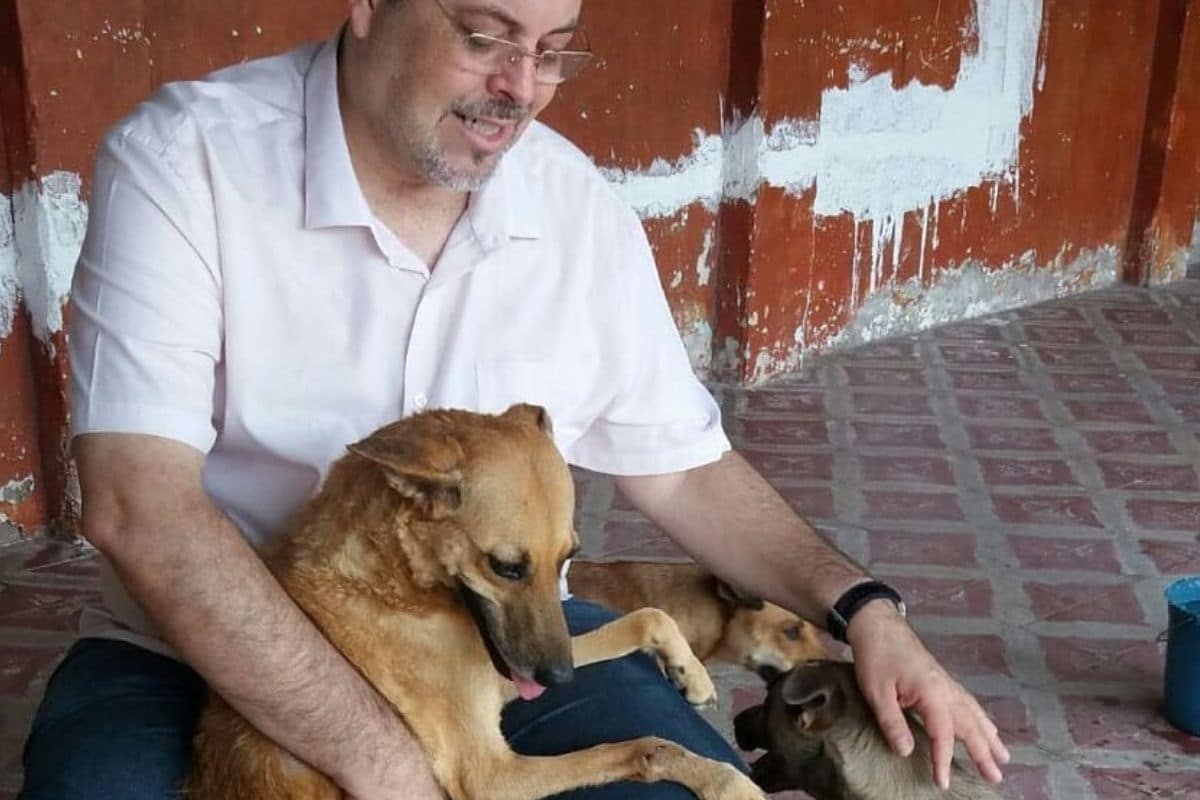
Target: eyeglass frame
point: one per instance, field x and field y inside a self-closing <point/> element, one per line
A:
<point x="519" y="53"/>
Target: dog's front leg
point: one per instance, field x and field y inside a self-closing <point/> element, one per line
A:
<point x="510" y="776"/>
<point x="650" y="631"/>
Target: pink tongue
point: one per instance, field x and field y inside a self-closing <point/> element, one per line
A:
<point x="529" y="690"/>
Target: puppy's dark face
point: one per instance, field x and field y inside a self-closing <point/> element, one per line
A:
<point x="819" y="694"/>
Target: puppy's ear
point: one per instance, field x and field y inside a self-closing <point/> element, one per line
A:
<point x="814" y="696"/>
<point x="750" y="730"/>
<point x="736" y="598"/>
<point x="426" y="470"/>
<point x="530" y="414"/>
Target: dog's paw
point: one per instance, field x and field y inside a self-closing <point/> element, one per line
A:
<point x="693" y="680"/>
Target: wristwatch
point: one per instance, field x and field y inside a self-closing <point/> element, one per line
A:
<point x="854" y="598"/>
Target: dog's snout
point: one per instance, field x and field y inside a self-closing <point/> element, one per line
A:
<point x="768" y="673"/>
<point x="554" y="674"/>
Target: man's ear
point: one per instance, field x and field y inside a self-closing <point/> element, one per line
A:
<point x="736" y="598"/>
<point x="427" y="471"/>
<point x="362" y="14"/>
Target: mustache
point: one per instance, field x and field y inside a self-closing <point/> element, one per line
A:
<point x="492" y="108"/>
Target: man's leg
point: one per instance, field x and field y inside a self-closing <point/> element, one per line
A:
<point x="116" y="722"/>
<point x="609" y="702"/>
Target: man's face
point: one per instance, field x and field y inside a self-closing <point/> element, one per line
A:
<point x="424" y="99"/>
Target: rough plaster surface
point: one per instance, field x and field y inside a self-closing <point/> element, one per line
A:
<point x="974" y="290"/>
<point x="9" y="282"/>
<point x="50" y="221"/>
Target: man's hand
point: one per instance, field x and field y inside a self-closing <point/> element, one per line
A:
<point x="896" y="672"/>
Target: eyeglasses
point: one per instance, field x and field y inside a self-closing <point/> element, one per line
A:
<point x="488" y="55"/>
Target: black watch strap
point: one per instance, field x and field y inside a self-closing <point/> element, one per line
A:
<point x="855" y="598"/>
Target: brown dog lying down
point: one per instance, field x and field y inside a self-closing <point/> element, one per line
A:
<point x="718" y="622"/>
<point x="430" y="559"/>
<point x="821" y="737"/>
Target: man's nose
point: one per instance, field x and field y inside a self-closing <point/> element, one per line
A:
<point x="518" y="80"/>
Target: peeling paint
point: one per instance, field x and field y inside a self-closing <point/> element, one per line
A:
<point x="703" y="265"/>
<point x="48" y="221"/>
<point x="974" y="290"/>
<point x="876" y="152"/>
<point x="17" y="490"/>
<point x="10" y="284"/>
<point x="697" y="339"/>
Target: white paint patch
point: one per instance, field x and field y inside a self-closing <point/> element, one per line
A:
<point x="974" y="290"/>
<point x="697" y="339"/>
<point x="664" y="188"/>
<point x="876" y="152"/>
<point x="49" y="220"/>
<point x="10" y="284"/>
<point x="17" y="490"/>
<point x="703" y="263"/>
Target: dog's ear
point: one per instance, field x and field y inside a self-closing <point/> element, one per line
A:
<point x="815" y="696"/>
<point x="426" y="470"/>
<point x="749" y="728"/>
<point x="531" y="414"/>
<point x="736" y="598"/>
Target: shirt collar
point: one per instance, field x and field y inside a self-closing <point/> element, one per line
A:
<point x="332" y="196"/>
<point x="503" y="208"/>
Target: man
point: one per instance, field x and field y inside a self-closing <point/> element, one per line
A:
<point x="295" y="251"/>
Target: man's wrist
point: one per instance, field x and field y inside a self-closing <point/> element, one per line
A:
<point x="857" y="598"/>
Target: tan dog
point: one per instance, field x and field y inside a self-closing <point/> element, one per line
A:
<point x="719" y="623"/>
<point x="430" y="559"/>
<point x="821" y="737"/>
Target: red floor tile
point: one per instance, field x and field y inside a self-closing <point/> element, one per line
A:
<point x="1085" y="602"/>
<point x="880" y="429"/>
<point x="928" y="549"/>
<point x="1035" y="552"/>
<point x="1121" y="661"/>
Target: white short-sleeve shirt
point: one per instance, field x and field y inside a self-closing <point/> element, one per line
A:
<point x="236" y="293"/>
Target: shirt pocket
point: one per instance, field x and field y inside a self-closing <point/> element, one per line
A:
<point x="565" y="387"/>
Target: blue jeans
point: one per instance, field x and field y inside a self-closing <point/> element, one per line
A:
<point x="117" y="721"/>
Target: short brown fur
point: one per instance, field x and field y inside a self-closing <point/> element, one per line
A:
<point x="404" y="528"/>
<point x="718" y="622"/>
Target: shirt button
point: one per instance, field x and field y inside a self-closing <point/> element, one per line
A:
<point x="420" y="401"/>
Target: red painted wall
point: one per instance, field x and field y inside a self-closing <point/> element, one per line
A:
<point x="1110" y="156"/>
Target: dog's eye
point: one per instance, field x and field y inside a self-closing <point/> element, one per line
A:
<point x="792" y="632"/>
<point x="509" y="570"/>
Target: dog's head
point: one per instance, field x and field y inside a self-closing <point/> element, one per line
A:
<point x="819" y="695"/>
<point x="765" y="638"/>
<point x="491" y="502"/>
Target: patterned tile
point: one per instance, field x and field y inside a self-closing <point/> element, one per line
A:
<point x="876" y="457"/>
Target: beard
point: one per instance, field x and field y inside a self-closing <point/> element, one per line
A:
<point x="429" y="154"/>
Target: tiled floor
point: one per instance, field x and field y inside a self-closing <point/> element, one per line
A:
<point x="1030" y="480"/>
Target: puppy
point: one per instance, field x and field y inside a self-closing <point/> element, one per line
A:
<point x="430" y="558"/>
<point x="719" y="622"/>
<point x="821" y="737"/>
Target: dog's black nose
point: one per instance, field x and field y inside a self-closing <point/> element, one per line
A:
<point x="768" y="673"/>
<point x="554" y="674"/>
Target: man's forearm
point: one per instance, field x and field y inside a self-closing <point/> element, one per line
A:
<point x="219" y="606"/>
<point x="727" y="517"/>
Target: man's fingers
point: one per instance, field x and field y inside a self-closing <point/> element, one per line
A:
<point x="982" y="751"/>
<point x="940" y="726"/>
<point x="891" y="720"/>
